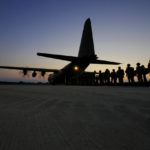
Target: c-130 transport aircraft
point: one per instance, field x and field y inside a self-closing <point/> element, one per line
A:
<point x="77" y="64"/>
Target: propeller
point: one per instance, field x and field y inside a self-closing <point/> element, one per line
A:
<point x="42" y="74"/>
<point x="24" y="73"/>
<point x="34" y="74"/>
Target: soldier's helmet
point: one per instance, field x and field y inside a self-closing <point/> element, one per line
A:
<point x="138" y="64"/>
<point x="128" y="65"/>
<point x="142" y="66"/>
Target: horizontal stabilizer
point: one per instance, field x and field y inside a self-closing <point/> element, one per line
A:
<point x="62" y="57"/>
<point x="104" y="62"/>
<point x="29" y="69"/>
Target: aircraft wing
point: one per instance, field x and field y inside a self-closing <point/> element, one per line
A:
<point x="29" y="69"/>
<point x="104" y="62"/>
<point x="62" y="57"/>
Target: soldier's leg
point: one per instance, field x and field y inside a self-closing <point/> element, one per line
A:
<point x="144" y="76"/>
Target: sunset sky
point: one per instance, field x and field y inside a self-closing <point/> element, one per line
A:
<point x="121" y="31"/>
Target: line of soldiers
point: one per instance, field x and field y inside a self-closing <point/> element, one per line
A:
<point x="111" y="77"/>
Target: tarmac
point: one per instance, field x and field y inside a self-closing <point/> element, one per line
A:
<point x="44" y="117"/>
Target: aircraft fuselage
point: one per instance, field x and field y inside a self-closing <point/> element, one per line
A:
<point x="72" y="70"/>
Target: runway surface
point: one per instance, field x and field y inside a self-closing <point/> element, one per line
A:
<point x="47" y="117"/>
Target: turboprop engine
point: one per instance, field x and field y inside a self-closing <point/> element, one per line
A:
<point x="34" y="74"/>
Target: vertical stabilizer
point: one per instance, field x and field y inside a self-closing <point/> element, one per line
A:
<point x="87" y="45"/>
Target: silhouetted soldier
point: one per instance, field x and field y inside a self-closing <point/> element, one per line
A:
<point x="149" y="66"/>
<point x="94" y="81"/>
<point x="144" y="72"/>
<point x="107" y="76"/>
<point x="113" y="76"/>
<point x="120" y="75"/>
<point x="130" y="73"/>
<point x="101" y="77"/>
<point x="139" y="72"/>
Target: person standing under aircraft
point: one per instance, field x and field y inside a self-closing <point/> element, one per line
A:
<point x="120" y="75"/>
<point x="144" y="72"/>
<point x="107" y="76"/>
<point x="139" y="72"/>
<point x="101" y="77"/>
<point x="113" y="76"/>
<point x="130" y="73"/>
<point x="149" y="66"/>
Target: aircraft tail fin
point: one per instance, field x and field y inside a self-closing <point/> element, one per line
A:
<point x="87" y="46"/>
